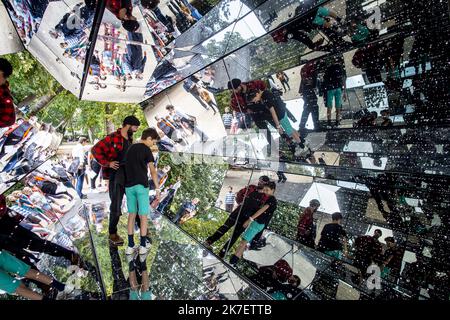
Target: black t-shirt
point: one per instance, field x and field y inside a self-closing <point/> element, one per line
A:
<point x="270" y="100"/>
<point x="397" y="257"/>
<point x="137" y="159"/>
<point x="330" y="239"/>
<point x="252" y="203"/>
<point x="265" y="217"/>
<point x="334" y="77"/>
<point x="261" y="110"/>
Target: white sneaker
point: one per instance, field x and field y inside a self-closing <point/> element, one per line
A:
<point x="129" y="250"/>
<point x="143" y="250"/>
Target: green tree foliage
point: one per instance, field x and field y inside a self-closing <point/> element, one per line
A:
<point x="29" y="78"/>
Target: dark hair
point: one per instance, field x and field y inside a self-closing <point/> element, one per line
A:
<point x="389" y="239"/>
<point x="82" y="140"/>
<point x="131" y="120"/>
<point x="378" y="231"/>
<point x="6" y="67"/>
<point x="150" y="4"/>
<point x="234" y="83"/>
<point x="230" y="187"/>
<point x="314" y="203"/>
<point x="130" y="25"/>
<point x="336" y="216"/>
<point x="170" y="107"/>
<point x="298" y="281"/>
<point x="264" y="179"/>
<point x="150" y="132"/>
<point x="271" y="185"/>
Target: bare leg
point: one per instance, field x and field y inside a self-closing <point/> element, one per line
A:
<point x="23" y="291"/>
<point x="241" y="248"/>
<point x="144" y="225"/>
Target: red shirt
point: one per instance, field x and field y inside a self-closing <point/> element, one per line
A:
<point x="7" y="110"/>
<point x="306" y="221"/>
<point x="115" y="5"/>
<point x="244" y="192"/>
<point x="238" y="100"/>
<point x="108" y="150"/>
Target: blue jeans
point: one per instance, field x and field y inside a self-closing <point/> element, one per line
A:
<point x="80" y="182"/>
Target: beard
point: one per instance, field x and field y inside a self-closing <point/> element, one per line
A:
<point x="130" y="134"/>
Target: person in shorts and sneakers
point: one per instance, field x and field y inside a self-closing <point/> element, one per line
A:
<point x="138" y="158"/>
<point x="257" y="221"/>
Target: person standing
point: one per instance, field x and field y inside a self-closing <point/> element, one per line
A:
<point x="284" y="79"/>
<point x="227" y="118"/>
<point x="307" y="91"/>
<point x="95" y="167"/>
<point x="335" y="87"/>
<point x="305" y="227"/>
<point x="393" y="257"/>
<point x="110" y="153"/>
<point x="167" y="201"/>
<point x="78" y="166"/>
<point x="229" y="200"/>
<point x="139" y="159"/>
<point x="7" y="110"/>
<point x="333" y="239"/>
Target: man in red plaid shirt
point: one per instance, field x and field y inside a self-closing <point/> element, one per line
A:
<point x="110" y="154"/>
<point x="7" y="111"/>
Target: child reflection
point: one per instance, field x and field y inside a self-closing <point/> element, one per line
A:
<point x="139" y="278"/>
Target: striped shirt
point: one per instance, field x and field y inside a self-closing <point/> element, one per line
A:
<point x="229" y="198"/>
<point x="227" y="119"/>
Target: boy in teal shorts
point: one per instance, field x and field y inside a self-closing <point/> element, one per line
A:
<point x="335" y="87"/>
<point x="10" y="265"/>
<point x="139" y="159"/>
<point x="257" y="222"/>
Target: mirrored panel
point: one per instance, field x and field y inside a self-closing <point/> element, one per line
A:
<point x="11" y="41"/>
<point x="45" y="227"/>
<point x="57" y="34"/>
<point x="24" y="146"/>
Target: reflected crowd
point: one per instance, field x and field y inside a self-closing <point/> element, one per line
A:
<point x="291" y="150"/>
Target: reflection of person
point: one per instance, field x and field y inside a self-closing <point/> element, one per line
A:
<point x="139" y="291"/>
<point x="257" y="221"/>
<point x="335" y="87"/>
<point x="139" y="159"/>
<point x="10" y="265"/>
<point x="333" y="239"/>
<point x="187" y="121"/>
<point x="78" y="155"/>
<point x="227" y="118"/>
<point x="229" y="200"/>
<point x="134" y="59"/>
<point x="308" y="92"/>
<point x="238" y="217"/>
<point x="110" y="153"/>
<point x="305" y="227"/>
<point x="123" y="10"/>
<point x="393" y="257"/>
<point x="368" y="250"/>
<point x="7" y="110"/>
<point x="192" y="86"/>
<point x="277" y="109"/>
<point x="187" y="211"/>
<point x="284" y="79"/>
<point x="167" y="201"/>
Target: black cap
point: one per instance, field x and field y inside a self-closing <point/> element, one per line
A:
<point x="131" y="120"/>
<point x="233" y="84"/>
